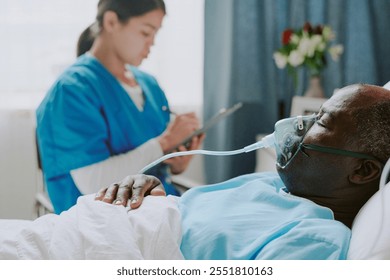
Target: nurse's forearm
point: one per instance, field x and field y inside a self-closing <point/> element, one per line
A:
<point x="91" y="178"/>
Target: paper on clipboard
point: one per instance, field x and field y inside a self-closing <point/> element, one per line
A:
<point x="223" y="113"/>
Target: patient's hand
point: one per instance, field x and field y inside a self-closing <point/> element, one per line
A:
<point x="133" y="187"/>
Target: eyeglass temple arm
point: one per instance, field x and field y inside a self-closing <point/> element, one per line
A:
<point x="337" y="151"/>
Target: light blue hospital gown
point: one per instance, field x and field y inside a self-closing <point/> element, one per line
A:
<point x="86" y="117"/>
<point x="251" y="217"/>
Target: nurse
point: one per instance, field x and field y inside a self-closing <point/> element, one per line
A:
<point x="103" y="119"/>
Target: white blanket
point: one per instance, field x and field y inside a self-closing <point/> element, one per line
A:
<point x="97" y="230"/>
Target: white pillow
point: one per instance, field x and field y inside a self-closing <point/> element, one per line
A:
<point x="371" y="228"/>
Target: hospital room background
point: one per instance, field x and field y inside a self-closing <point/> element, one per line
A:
<point x="210" y="54"/>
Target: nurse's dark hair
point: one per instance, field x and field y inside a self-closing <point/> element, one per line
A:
<point x="85" y="41"/>
<point x="125" y="9"/>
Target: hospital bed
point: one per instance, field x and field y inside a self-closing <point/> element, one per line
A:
<point x="370" y="231"/>
<point x="97" y="230"/>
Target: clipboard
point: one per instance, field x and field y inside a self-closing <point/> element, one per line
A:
<point x="223" y="113"/>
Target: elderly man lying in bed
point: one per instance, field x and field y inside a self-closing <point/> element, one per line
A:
<point x="305" y="212"/>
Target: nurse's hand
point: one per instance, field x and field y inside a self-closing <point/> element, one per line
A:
<point x="179" y="164"/>
<point x="178" y="130"/>
<point x="133" y="187"/>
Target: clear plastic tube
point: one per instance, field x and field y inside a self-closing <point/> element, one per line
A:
<point x="267" y="141"/>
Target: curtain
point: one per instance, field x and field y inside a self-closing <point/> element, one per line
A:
<point x="240" y="38"/>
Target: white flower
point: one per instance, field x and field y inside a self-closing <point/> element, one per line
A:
<point x="317" y="43"/>
<point x="305" y="47"/>
<point x="321" y="46"/>
<point x="328" y="34"/>
<point x="294" y="39"/>
<point x="336" y="51"/>
<point x="295" y="58"/>
<point x="280" y="60"/>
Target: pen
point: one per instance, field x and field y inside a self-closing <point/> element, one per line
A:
<point x="166" y="109"/>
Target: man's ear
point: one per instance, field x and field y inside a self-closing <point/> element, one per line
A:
<point x="110" y="20"/>
<point x="367" y="171"/>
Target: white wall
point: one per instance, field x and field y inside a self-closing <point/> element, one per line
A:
<point x="177" y="57"/>
<point x="18" y="164"/>
<point x="38" y="40"/>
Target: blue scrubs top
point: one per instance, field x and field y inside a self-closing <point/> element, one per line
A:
<point x="87" y="117"/>
<point x="251" y="217"/>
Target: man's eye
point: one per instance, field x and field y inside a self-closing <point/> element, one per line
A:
<point x="320" y="122"/>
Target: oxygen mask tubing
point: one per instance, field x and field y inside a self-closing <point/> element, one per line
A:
<point x="286" y="140"/>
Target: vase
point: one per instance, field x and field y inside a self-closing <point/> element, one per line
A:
<point x="315" y="88"/>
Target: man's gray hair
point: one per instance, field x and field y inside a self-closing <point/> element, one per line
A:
<point x="373" y="129"/>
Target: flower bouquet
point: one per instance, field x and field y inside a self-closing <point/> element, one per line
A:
<point x="307" y="46"/>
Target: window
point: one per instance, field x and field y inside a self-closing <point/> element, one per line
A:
<point x="39" y="41"/>
<point x="177" y="57"/>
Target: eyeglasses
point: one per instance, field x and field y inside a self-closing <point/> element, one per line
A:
<point x="334" y="151"/>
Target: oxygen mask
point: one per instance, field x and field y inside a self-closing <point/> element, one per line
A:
<point x="289" y="134"/>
